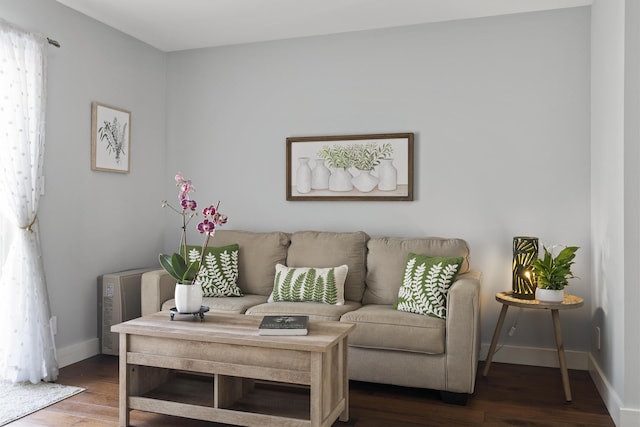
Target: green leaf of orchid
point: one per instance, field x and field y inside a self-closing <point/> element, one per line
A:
<point x="165" y="262"/>
<point x="191" y="272"/>
<point x="179" y="265"/>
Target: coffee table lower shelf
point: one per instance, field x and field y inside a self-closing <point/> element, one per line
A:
<point x="258" y="403"/>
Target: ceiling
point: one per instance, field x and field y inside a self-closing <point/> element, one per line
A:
<point x="172" y="25"/>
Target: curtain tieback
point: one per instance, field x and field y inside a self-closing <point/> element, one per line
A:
<point x="29" y="227"/>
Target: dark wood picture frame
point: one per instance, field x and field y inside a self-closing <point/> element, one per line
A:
<point x="380" y="167"/>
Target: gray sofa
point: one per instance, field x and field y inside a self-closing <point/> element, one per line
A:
<point x="388" y="346"/>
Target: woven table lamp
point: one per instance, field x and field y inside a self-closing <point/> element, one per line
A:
<point x="525" y="252"/>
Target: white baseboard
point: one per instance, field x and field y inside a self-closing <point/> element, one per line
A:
<point x="534" y="356"/>
<point x="622" y="417"/>
<point x="629" y="417"/>
<point x="77" y="352"/>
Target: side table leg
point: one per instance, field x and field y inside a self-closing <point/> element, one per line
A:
<point x="496" y="336"/>
<point x="555" y="314"/>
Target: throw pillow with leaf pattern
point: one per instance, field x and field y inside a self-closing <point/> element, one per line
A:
<point x="325" y="285"/>
<point x="219" y="271"/>
<point x="425" y="284"/>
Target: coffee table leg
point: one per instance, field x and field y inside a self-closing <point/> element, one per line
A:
<point x="316" y="390"/>
<point x="496" y="336"/>
<point x="555" y="315"/>
<point x="344" y="370"/>
<point x="124" y="383"/>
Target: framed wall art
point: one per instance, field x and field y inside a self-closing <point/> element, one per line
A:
<point x="110" y="138"/>
<point x="350" y="167"/>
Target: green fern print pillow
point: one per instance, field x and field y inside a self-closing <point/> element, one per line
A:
<point x="219" y="271"/>
<point x="425" y="284"/>
<point x="309" y="284"/>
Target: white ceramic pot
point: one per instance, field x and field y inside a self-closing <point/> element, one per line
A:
<point x="320" y="176"/>
<point x="340" y="180"/>
<point x="549" y="295"/>
<point x="188" y="298"/>
<point x="388" y="175"/>
<point x="303" y="176"/>
<point x="364" y="181"/>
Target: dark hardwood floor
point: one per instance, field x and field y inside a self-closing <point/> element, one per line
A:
<point x="512" y="395"/>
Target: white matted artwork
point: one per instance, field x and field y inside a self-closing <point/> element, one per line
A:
<point x="350" y="167"/>
<point x="110" y="138"/>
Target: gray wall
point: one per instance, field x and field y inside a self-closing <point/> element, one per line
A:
<point x="615" y="205"/>
<point x="500" y="111"/>
<point x="94" y="222"/>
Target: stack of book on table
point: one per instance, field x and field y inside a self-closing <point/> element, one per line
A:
<point x="284" y="325"/>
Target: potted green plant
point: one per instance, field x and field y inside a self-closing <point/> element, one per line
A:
<point x="338" y="158"/>
<point x="365" y="157"/>
<point x="552" y="274"/>
<point x="188" y="292"/>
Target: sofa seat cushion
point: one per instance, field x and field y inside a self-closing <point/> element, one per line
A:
<point x="326" y="249"/>
<point x="227" y="305"/>
<point x="315" y="310"/>
<point x="383" y="327"/>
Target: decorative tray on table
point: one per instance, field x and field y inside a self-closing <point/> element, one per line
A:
<point x="200" y="313"/>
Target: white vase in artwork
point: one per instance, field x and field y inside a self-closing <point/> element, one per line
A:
<point x="365" y="181"/>
<point x="388" y="175"/>
<point x="188" y="298"/>
<point x="340" y="180"/>
<point x="550" y="295"/>
<point x="320" y="175"/>
<point x="303" y="176"/>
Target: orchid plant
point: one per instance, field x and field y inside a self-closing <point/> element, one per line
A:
<point x="176" y="264"/>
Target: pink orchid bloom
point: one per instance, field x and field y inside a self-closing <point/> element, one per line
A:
<point x="185" y="189"/>
<point x="188" y="204"/>
<point x="207" y="227"/>
<point x="209" y="212"/>
<point x="185" y="186"/>
<point x="220" y="219"/>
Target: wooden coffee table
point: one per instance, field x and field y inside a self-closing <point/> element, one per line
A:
<point x="228" y="349"/>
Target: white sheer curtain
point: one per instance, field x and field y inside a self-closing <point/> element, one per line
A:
<point x="27" y="348"/>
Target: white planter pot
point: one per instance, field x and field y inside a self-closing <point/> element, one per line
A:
<point x="549" y="295"/>
<point x="303" y="176"/>
<point x="188" y="298"/>
<point x="388" y="175"/>
<point x="320" y="176"/>
<point x="364" y="181"/>
<point x="340" y="180"/>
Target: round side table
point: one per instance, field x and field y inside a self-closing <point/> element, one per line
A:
<point x="506" y="299"/>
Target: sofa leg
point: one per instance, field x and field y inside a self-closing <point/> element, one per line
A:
<point x="454" y="398"/>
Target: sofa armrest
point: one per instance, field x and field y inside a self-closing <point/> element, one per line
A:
<point x="463" y="333"/>
<point x="156" y="287"/>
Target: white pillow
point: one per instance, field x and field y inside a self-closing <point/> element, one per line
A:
<point x="309" y="284"/>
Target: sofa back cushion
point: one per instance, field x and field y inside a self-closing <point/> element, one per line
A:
<point x="258" y="254"/>
<point x="323" y="249"/>
<point x="387" y="258"/>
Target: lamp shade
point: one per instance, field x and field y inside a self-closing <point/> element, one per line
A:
<point x="525" y="252"/>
